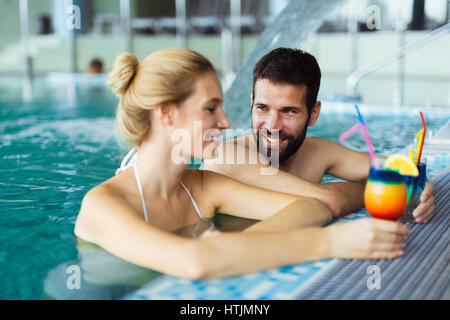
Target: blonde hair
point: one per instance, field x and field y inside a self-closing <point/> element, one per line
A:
<point x="164" y="76"/>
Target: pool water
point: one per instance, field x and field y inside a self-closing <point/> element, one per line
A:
<point x="62" y="142"/>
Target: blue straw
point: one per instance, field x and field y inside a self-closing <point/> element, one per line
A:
<point x="359" y="115"/>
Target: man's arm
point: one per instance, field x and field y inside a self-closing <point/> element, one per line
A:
<point x="349" y="196"/>
<point x="345" y="163"/>
<point x="278" y="211"/>
<point x="349" y="165"/>
<point x="261" y="175"/>
<point x="354" y="166"/>
<point x="340" y="197"/>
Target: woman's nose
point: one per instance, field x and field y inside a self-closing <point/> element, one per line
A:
<point x="223" y="122"/>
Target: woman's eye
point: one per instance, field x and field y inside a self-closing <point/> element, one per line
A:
<point x="211" y="109"/>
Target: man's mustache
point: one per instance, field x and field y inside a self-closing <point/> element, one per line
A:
<point x="280" y="134"/>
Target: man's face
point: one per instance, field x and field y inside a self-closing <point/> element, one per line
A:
<point x="279" y="108"/>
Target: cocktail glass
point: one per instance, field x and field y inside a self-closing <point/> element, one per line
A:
<point x="415" y="186"/>
<point x="385" y="194"/>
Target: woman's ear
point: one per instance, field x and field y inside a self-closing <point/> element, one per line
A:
<point x="164" y="113"/>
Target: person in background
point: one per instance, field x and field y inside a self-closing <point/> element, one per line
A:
<point x="95" y="66"/>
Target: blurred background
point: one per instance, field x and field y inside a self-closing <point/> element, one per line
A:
<point x="38" y="37"/>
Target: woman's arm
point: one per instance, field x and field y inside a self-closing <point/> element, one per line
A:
<point x="301" y="213"/>
<point x="226" y="254"/>
<point x="108" y="220"/>
<point x="111" y="223"/>
<point x="279" y="211"/>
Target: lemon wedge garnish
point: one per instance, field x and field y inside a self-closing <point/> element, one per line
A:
<point x="402" y="164"/>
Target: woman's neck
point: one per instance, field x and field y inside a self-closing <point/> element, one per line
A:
<point x="159" y="175"/>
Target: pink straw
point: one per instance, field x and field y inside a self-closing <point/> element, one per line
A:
<point x="350" y="132"/>
<point x="366" y="136"/>
<point x="372" y="153"/>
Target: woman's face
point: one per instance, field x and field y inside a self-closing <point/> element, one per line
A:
<point x="200" y="119"/>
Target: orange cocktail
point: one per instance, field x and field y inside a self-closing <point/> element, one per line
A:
<point x="385" y="195"/>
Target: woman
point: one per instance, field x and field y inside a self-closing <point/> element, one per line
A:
<point x="175" y="93"/>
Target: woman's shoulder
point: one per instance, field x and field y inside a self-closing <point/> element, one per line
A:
<point x="120" y="186"/>
<point x="97" y="197"/>
<point x="108" y="196"/>
<point x="97" y="204"/>
<point x="193" y="178"/>
<point x="113" y="187"/>
<point x="201" y="178"/>
<point x="100" y="193"/>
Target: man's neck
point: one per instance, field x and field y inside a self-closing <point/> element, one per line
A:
<point x="283" y="165"/>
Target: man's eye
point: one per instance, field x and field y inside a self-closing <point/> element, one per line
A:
<point x="211" y="109"/>
<point x="262" y="108"/>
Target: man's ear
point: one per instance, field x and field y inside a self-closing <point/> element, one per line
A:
<point x="314" y="113"/>
<point x="164" y="112"/>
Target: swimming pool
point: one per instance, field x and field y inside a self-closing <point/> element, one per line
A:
<point x="62" y="142"/>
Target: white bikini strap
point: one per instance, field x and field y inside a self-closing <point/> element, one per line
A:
<point x="126" y="164"/>
<point x="128" y="161"/>
<point x="193" y="201"/>
<point x="140" y="190"/>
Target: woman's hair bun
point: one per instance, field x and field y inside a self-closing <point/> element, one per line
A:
<point x="123" y="71"/>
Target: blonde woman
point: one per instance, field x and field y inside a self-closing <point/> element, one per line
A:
<point x="135" y="214"/>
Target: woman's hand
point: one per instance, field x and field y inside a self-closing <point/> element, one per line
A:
<point x="367" y="239"/>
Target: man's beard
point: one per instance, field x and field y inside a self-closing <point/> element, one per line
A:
<point x="293" y="144"/>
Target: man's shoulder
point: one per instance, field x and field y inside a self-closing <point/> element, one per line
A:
<point x="327" y="145"/>
<point x="319" y="143"/>
<point x="320" y="148"/>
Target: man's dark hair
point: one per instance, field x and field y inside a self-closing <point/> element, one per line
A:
<point x="292" y="66"/>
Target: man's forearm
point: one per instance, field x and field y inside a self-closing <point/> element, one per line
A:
<point x="347" y="196"/>
<point x="281" y="182"/>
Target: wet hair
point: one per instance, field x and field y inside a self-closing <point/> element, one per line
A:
<point x="290" y="66"/>
<point x="165" y="76"/>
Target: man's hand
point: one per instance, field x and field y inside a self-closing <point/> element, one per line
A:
<point x="425" y="210"/>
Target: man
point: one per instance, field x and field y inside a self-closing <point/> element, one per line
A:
<point x="284" y="103"/>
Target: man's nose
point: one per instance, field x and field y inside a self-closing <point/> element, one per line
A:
<point x="273" y="122"/>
